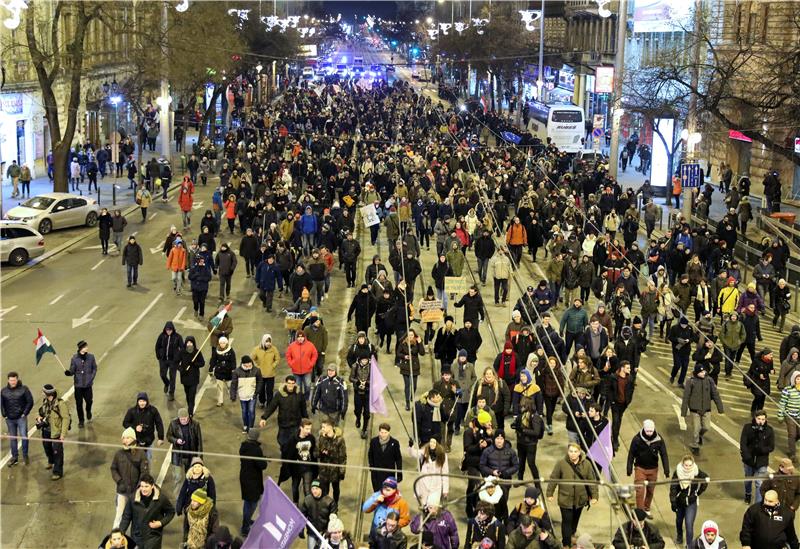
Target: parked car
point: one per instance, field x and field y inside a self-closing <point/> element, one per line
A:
<point x="308" y="73"/>
<point x="55" y="211"/>
<point x="19" y="243"/>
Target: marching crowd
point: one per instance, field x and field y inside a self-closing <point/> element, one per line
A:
<point x="292" y="179"/>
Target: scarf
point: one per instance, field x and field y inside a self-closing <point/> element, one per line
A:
<point x="198" y="525"/>
<point x="685" y="476"/>
<point x="511" y="362"/>
<point x="389" y="500"/>
<point x="437" y="411"/>
<point x="713" y="525"/>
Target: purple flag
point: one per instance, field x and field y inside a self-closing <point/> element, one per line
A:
<point x="601" y="451"/>
<point x="377" y="384"/>
<point x="279" y="522"/>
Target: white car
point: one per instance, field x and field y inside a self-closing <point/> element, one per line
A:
<point x="55" y="211"/>
<point x="19" y="243"/>
<point x="308" y="73"/>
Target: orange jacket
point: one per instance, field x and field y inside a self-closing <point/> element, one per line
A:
<point x="185" y="197"/>
<point x="301" y="358"/>
<point x="517" y="235"/>
<point x="676" y="185"/>
<point x="230" y="209"/>
<point x="176" y="260"/>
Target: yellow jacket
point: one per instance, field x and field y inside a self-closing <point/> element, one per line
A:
<point x="728" y="298"/>
<point x="266" y="359"/>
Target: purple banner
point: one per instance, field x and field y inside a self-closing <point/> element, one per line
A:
<point x="279" y="522"/>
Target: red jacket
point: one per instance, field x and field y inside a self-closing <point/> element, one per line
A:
<point x="301" y="357"/>
<point x="185" y="196"/>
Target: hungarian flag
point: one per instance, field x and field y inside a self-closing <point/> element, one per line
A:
<point x="42" y="346"/>
<point x="217" y="320"/>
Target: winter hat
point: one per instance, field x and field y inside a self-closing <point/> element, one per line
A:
<point x="508" y="346"/>
<point x="197" y="459"/>
<point x="649" y="425"/>
<point x="626" y="331"/>
<point x="183" y="412"/>
<point x="142" y="396"/>
<point x="332" y="366"/>
<point x="499" y="433"/>
<point x="699" y="368"/>
<point x="246" y="359"/>
<point x="390" y="482"/>
<point x="313" y="309"/>
<point x="793" y="378"/>
<point x="710" y="526"/>
<point x="640" y="514"/>
<point x="82" y="344"/>
<point x="335" y="524"/>
<point x="462" y="352"/>
<point x="362" y="334"/>
<point x="129" y="433"/>
<point x="316" y="483"/>
<point x="253" y="434"/>
<point x="731" y="280"/>
<point x="683" y="321"/>
<point x="532" y="492"/>
<point x="636" y="320"/>
<point x="200" y="496"/>
<point x="516" y="314"/>
<point x="450" y="318"/>
<point x="751" y="286"/>
<point x="434" y="500"/>
<point x="484" y="417"/>
<point x="222" y="339"/>
<point x="48" y="389"/>
<point x="584" y="541"/>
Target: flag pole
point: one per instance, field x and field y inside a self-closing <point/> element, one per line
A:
<point x="59" y="362"/>
<point x="323" y="542"/>
<point x="203" y="344"/>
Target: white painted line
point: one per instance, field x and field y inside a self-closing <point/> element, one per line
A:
<point x="681" y="419"/>
<point x="56" y="299"/>
<point x="650" y="385"/>
<point x="179" y="315"/>
<point x="152" y="215"/>
<point x="8" y="310"/>
<point x="162" y="473"/>
<point x="675" y="397"/>
<point x="139" y="318"/>
<point x="252" y="299"/>
<point x="84" y="319"/>
<point x="2" y="339"/>
<point x="98" y="264"/>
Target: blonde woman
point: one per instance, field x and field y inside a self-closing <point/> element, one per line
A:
<point x="573" y="497"/>
<point x="496" y="393"/>
<point x="434" y="468"/>
<point x="688" y="482"/>
<point x="666" y="308"/>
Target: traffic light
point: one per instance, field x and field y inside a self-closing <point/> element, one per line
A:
<point x="414" y="51"/>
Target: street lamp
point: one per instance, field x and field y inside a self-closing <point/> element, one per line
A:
<point x="182" y="6"/>
<point x="164" y="101"/>
<point x="429" y="20"/>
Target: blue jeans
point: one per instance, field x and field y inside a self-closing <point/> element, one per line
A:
<point x="308" y="243"/>
<point x="248" y="508"/>
<point x="483" y="269"/>
<point x="18" y="428"/>
<point x="133" y="274"/>
<point x="304" y="384"/>
<point x="754" y="472"/>
<point x="248" y="412"/>
<point x="408" y="389"/>
<point x="684" y="517"/>
<point x="441" y="294"/>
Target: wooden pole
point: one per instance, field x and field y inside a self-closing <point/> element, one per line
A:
<point x="59" y="362"/>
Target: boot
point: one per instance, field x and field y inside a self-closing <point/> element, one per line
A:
<point x="358" y="422"/>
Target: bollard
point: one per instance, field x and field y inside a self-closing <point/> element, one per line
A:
<point x="98" y="195"/>
<point x="113" y="195"/>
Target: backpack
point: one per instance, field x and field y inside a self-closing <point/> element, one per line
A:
<point x="58" y="413"/>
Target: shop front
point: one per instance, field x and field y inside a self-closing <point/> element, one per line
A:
<point x="21" y="130"/>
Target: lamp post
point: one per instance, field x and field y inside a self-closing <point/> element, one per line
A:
<point x="619" y="66"/>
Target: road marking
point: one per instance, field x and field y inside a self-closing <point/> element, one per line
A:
<point x="152" y="215"/>
<point x="675" y="397"/>
<point x="3" y="312"/>
<point x="84" y="319"/>
<point x="98" y="264"/>
<point x="647" y="382"/>
<point x="162" y="473"/>
<point x="252" y="299"/>
<point x="56" y="300"/>
<point x="179" y="315"/>
<point x="139" y="318"/>
<point x="681" y="419"/>
<point x="2" y="339"/>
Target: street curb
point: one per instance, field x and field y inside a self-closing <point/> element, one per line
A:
<point x="69" y="244"/>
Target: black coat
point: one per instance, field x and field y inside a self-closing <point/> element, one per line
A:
<point x="761" y="530"/>
<point x="190" y="369"/>
<point x="150" y="420"/>
<point x="363" y="306"/>
<point x="469" y="340"/>
<point x="132" y="254"/>
<point x="390" y="459"/>
<point x="756" y="443"/>
<point x="160" y="509"/>
<point x="473" y="307"/>
<point x="222" y="365"/>
<point x="251" y="471"/>
<point x="168" y="347"/>
<point x="104" y="225"/>
<point x="291" y="407"/>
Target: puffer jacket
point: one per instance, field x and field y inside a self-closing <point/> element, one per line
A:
<point x="168" y="347"/>
<point x="330" y="396"/>
<point x="291" y="407"/>
<point x="301" y="357"/>
<point x="222" y="363"/>
<point x="16" y="402"/>
<point x="504" y="460"/>
<point x="245" y="383"/>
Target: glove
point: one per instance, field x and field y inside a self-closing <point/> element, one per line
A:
<point x="411" y="443"/>
<point x="68" y="373"/>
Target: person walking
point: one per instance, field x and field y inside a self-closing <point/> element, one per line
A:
<point x="145" y="419"/>
<point x="132" y="259"/>
<point x="330" y="395"/>
<point x="104" y="224"/>
<point x="127" y="468"/>
<point x="384" y="457"/>
<point x="25" y="179"/>
<point x="186" y="437"/>
<point x="245" y="385"/>
<point x="186" y="200"/>
<point x="290" y="403"/>
<point x="13" y="173"/>
<point x="54" y="421"/>
<point x="573" y="496"/>
<point x="222" y="366"/>
<point x="169" y="346"/>
<point x="756" y="443"/>
<point x="301" y="356"/>
<point x="769" y="524"/>
<point x="118" y="224"/>
<point x="252" y="465"/>
<point x="698" y="394"/>
<point x="151" y="512"/>
<point x="143" y="200"/>
<point x="266" y="357"/>
<point x="789" y="412"/>
<point x="199" y="278"/>
<point x="224" y="265"/>
<point x="83" y="369"/>
<point x="645" y="450"/>
<point x="16" y="402"/>
<point x="332" y="451"/>
<point x="688" y="483"/>
<point x="177" y="261"/>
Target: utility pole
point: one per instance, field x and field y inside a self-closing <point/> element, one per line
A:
<point x="619" y="69"/>
<point x="164" y="99"/>
<point x="540" y="80"/>
<point x="691" y="119"/>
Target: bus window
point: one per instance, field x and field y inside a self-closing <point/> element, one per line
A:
<point x="567" y="116"/>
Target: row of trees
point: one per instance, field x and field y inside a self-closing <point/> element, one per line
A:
<point x="204" y="45"/>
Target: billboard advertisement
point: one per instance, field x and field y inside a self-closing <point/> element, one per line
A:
<point x="604" y="80"/>
<point x="661" y="15"/>
<point x="659" y="175"/>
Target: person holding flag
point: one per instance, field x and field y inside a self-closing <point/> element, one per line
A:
<point x="43" y="346"/>
<point x="83" y="369"/>
<point x="220" y="325"/>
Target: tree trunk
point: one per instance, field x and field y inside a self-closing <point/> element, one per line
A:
<point x="218" y="89"/>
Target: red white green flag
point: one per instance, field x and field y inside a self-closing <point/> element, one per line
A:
<point x="217" y="320"/>
<point x="42" y="346"/>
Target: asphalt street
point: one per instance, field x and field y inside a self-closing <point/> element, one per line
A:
<point x="80" y="294"/>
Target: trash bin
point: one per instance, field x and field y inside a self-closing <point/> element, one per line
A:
<point x="784" y="217"/>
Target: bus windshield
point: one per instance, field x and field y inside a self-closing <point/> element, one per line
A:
<point x="567" y="116"/>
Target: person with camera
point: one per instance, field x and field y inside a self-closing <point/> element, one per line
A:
<point x="54" y="421"/>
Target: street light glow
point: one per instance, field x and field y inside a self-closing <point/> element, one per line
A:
<point x="115" y="100"/>
<point x="429" y="20"/>
<point x="182" y="6"/>
<point x="164" y="101"/>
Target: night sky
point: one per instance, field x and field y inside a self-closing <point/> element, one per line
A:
<point x="349" y="9"/>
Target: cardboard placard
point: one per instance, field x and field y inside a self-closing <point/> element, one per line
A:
<point x="455" y="285"/>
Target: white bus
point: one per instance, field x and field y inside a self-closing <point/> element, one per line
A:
<point x="563" y="124"/>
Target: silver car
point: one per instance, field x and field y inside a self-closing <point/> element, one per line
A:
<point x="19" y="243"/>
<point x="55" y="211"/>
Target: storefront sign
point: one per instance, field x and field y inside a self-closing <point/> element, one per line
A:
<point x="566" y="79"/>
<point x="598" y="121"/>
<point x="604" y="80"/>
<point x="11" y="103"/>
<point x="662" y="15"/>
<point x="739" y="136"/>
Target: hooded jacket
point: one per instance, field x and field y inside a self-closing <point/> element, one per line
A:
<point x="330" y="396"/>
<point x="168" y="347"/>
<point x="791" y="340"/>
<point x="291" y="407"/>
<point x="266" y="358"/>
<point x="148" y="417"/>
<point x="189" y="366"/>
<point x="788" y="367"/>
<point x="645" y="452"/>
<point x="442" y="526"/>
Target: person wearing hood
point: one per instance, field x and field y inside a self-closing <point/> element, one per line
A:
<point x="246" y="384"/>
<point x="169" y="346"/>
<point x="789" y="410"/>
<point x="364" y="308"/>
<point x="151" y="512"/>
<point x="186" y="437"/>
<point x="756" y="443"/>
<point x="224" y="265"/>
<point x="145" y="420"/>
<point x="222" y="366"/>
<point x="688" y="483"/>
<point x="732" y="337"/>
<point x="436" y="522"/>
<point x="757" y="378"/>
<point x="644" y="452"/>
<point x="127" y="467"/>
<point x="199" y="278"/>
<point x="709" y="537"/>
<point x="251" y="477"/>
<point x="373" y="269"/>
<point x="266" y="357"/>
<point x="698" y="394"/>
<point x="190" y="362"/>
<point x="198" y="477"/>
<point x="210" y="222"/>
<point x="769" y="524"/>
<point x="681" y="337"/>
<point x="573" y="497"/>
<point x="789" y="366"/>
<point x="789" y="341"/>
